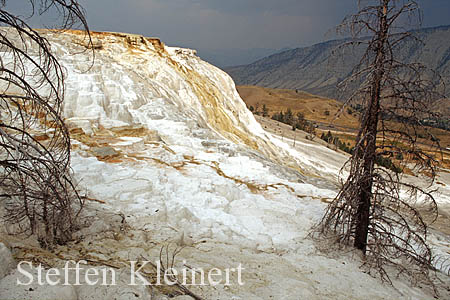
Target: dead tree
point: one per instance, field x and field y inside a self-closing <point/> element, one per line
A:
<point x="36" y="189"/>
<point x="375" y="211"/>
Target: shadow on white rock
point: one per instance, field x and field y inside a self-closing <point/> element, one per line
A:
<point x="7" y="262"/>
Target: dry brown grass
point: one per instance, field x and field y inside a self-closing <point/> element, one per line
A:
<point x="314" y="108"/>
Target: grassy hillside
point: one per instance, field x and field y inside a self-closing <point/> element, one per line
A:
<point x="317" y="69"/>
<point x="315" y="108"/>
<point x="320" y="110"/>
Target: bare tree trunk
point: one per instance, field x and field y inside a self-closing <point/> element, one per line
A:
<point x="368" y="133"/>
<point x="369" y="212"/>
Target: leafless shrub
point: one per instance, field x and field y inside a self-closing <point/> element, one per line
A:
<point x="40" y="197"/>
<point x="167" y="259"/>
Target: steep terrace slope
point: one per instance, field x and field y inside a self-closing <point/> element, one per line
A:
<point x="139" y="80"/>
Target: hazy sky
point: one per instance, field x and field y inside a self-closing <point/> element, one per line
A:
<point x="241" y="24"/>
<point x="238" y="24"/>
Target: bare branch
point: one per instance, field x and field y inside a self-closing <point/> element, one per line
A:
<point x="40" y="197"/>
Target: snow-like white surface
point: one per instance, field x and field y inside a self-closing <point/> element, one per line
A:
<point x="208" y="205"/>
<point x="163" y="91"/>
<point x="208" y="175"/>
<point x="205" y="185"/>
<point x="145" y="86"/>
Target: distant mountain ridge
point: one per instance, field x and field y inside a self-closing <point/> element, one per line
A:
<point x="224" y="58"/>
<point x="313" y="69"/>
